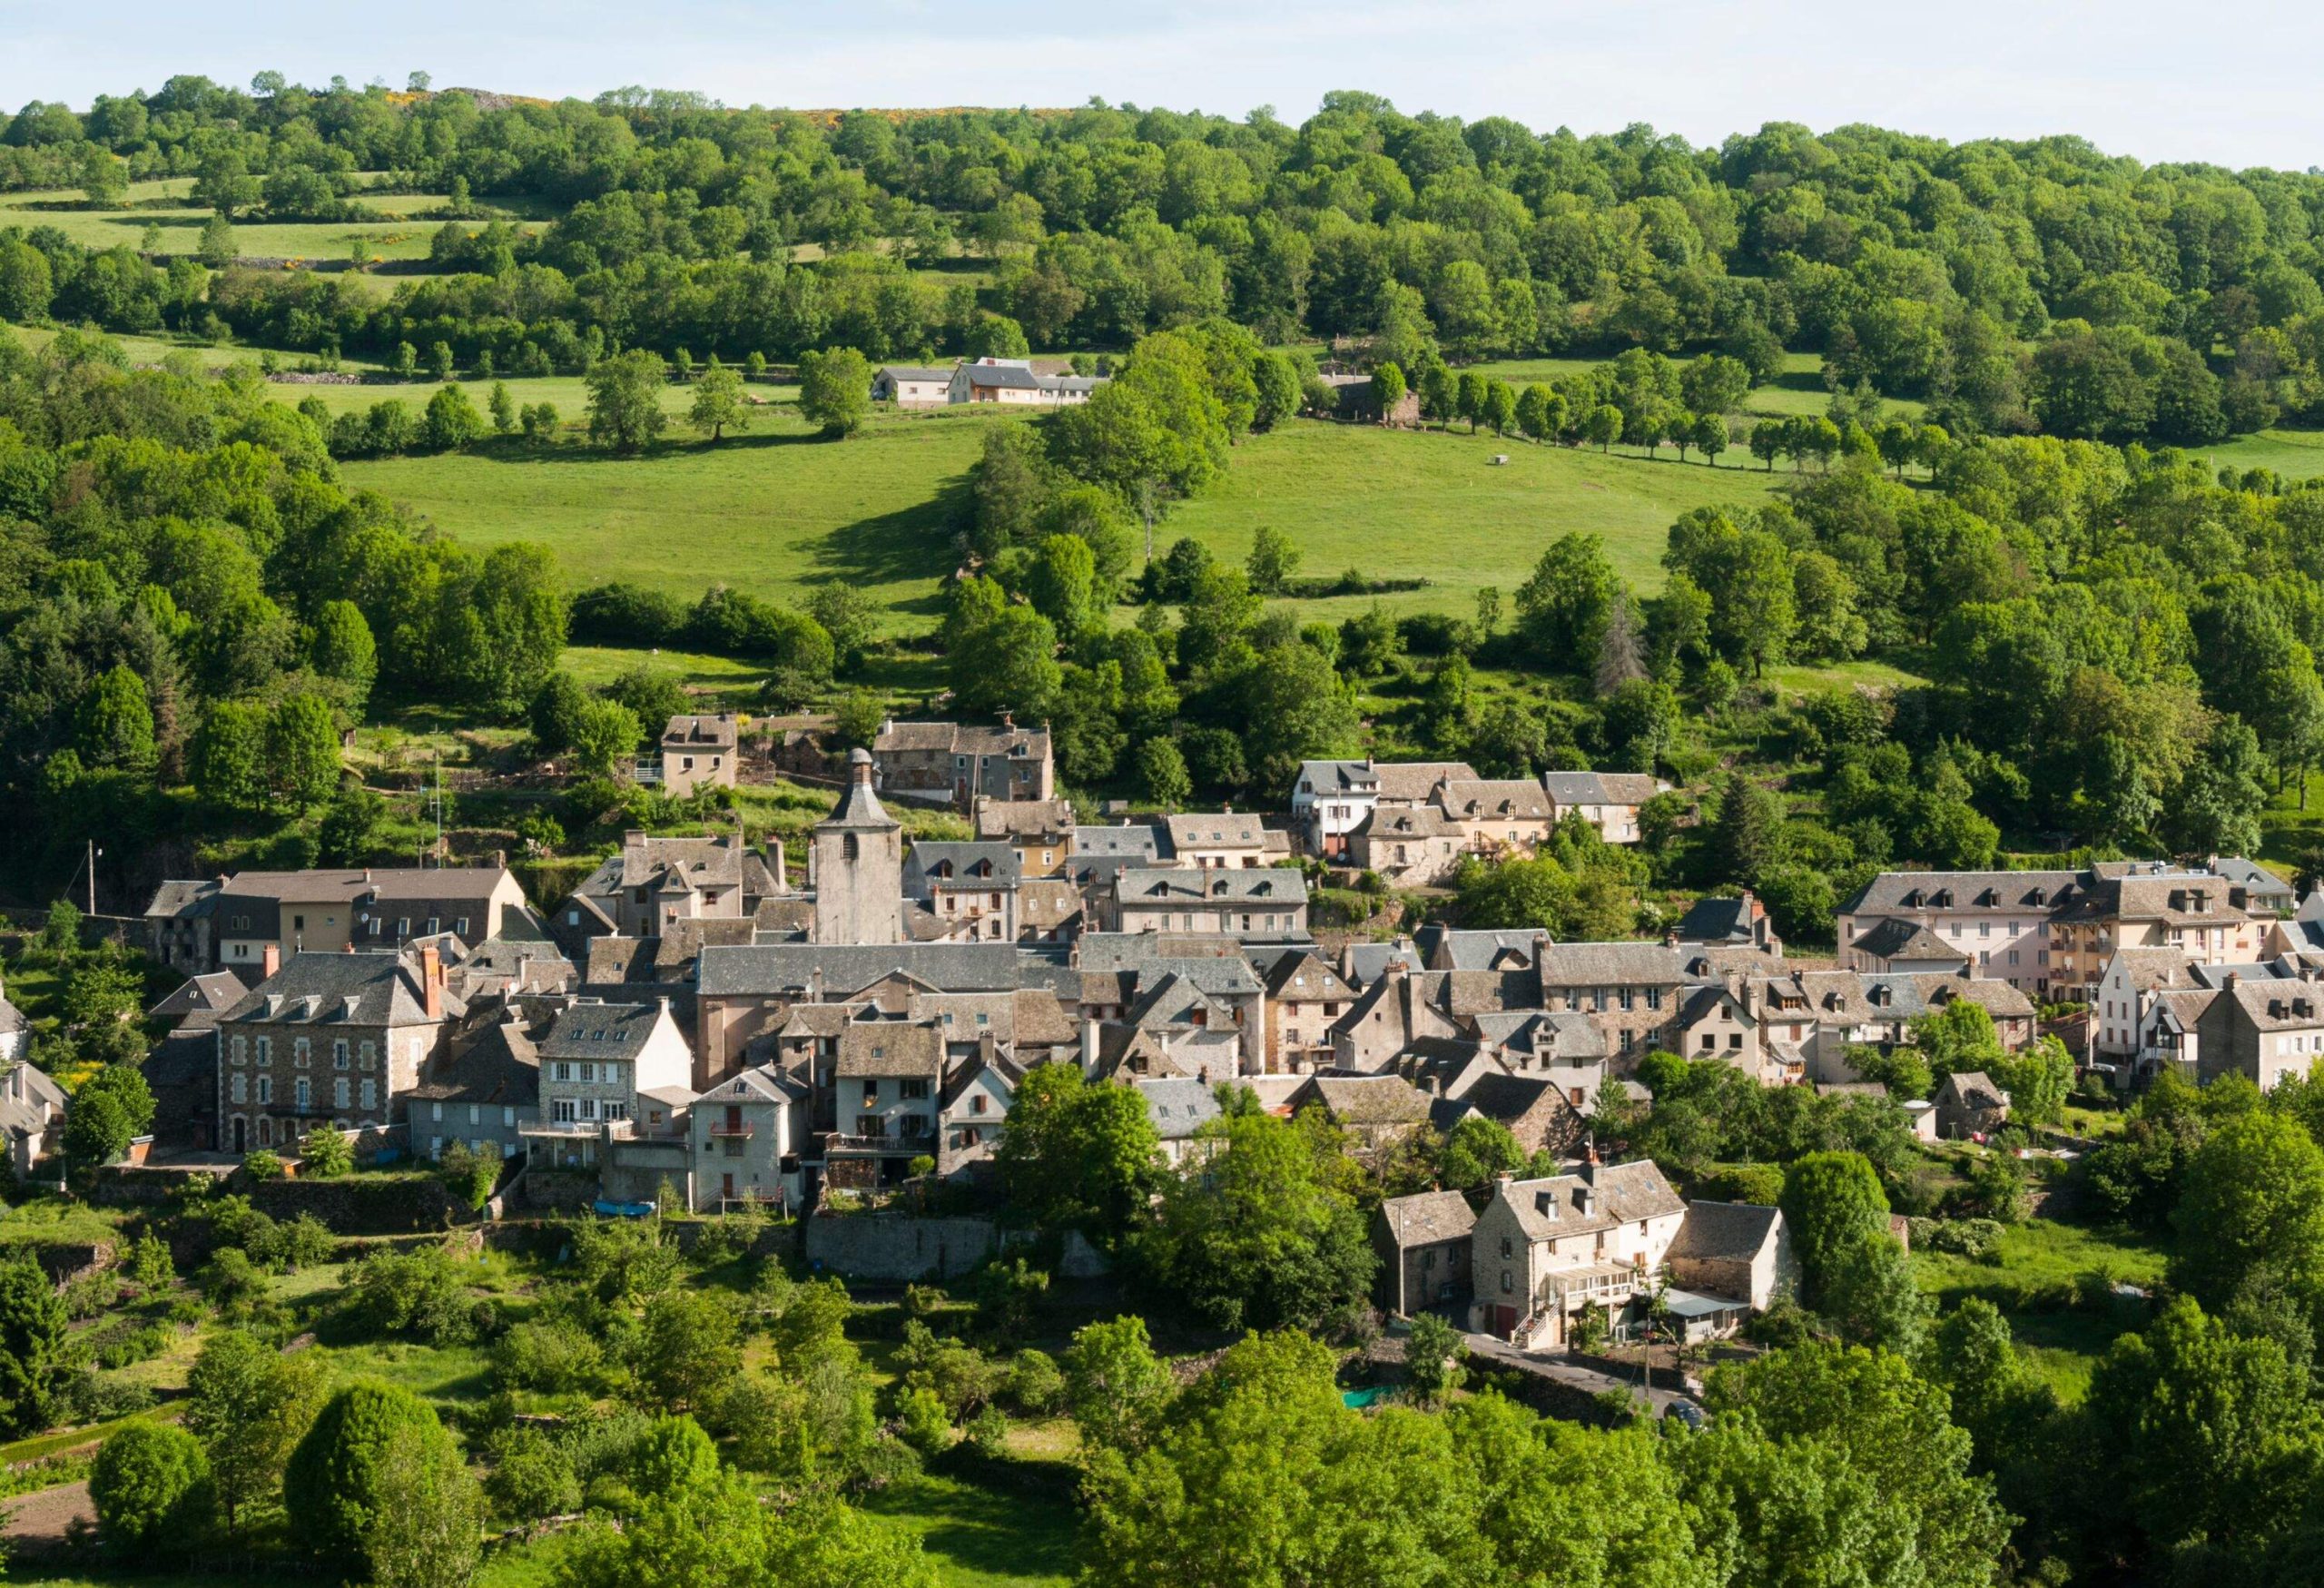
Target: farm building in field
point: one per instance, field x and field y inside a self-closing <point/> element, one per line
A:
<point x="912" y="386"/>
<point x="1015" y="382"/>
<point x="1355" y="402"/>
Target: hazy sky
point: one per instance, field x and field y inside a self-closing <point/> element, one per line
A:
<point x="2232" y="80"/>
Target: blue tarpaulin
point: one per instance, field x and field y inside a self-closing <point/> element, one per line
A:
<point x="606" y="1209"/>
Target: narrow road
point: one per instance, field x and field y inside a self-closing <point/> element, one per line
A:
<point x="1587" y="1380"/>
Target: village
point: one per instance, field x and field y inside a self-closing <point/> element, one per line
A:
<point x="741" y="1028"/>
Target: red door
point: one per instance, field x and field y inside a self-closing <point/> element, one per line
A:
<point x="1504" y="1321"/>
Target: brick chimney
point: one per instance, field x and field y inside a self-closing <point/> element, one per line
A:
<point x="269" y="961"/>
<point x="431" y="981"/>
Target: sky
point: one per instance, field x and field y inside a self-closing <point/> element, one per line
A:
<point x="2231" y="82"/>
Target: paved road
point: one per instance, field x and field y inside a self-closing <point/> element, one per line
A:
<point x="1587" y="1380"/>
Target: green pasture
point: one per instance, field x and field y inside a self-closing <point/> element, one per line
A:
<point x="402" y="229"/>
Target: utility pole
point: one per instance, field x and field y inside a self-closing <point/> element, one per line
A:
<point x="94" y="852"/>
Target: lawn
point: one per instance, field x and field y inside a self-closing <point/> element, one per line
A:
<point x="1431" y="504"/>
<point x="774" y="512"/>
<point x="1797" y="388"/>
<point x="399" y="230"/>
<point x="2033" y="1280"/>
<point x="2294" y="454"/>
<point x="982" y="1538"/>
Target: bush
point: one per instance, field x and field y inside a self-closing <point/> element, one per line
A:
<point x="532" y="1477"/>
<point x="1977" y="1238"/>
<point x="923" y="1423"/>
<point x="987" y="1433"/>
<point x="325" y="1155"/>
<point x="418" y="1293"/>
<point x="150" y="1487"/>
<point x="1035" y="1385"/>
<point x="262" y="1165"/>
<point x="332" y="1487"/>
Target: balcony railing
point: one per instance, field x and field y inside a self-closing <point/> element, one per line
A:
<point x="734" y="1132"/>
<point x="1598" y="1282"/>
<point x="924" y="1142"/>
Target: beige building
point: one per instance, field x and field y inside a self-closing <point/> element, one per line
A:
<point x="1498" y="815"/>
<point x="699" y="752"/>
<point x="1269" y="902"/>
<point x="1608" y="801"/>
<point x="1039" y="831"/>
<point x="912" y="386"/>
<point x="199" y="927"/>
<point x="1204" y="839"/>
<point x="1547" y="1249"/>
<point x="1015" y="383"/>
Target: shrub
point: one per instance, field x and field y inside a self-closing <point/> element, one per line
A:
<point x="416" y="1293"/>
<point x="923" y="1421"/>
<point x="987" y="1433"/>
<point x="325" y="1155"/>
<point x="150" y="1488"/>
<point x="532" y="1477"/>
<point x="262" y="1165"/>
<point x="1036" y="1386"/>
<point x="333" y="1487"/>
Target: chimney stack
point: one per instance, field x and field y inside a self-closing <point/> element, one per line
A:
<point x="431" y="980"/>
<point x="271" y="961"/>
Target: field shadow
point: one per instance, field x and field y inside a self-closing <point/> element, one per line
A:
<point x="984" y="1531"/>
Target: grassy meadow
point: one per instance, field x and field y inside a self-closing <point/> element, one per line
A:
<point x="402" y="226"/>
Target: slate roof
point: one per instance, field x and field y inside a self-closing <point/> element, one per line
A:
<point x="1427" y="1219"/>
<point x="363" y="988"/>
<point x="1446" y="948"/>
<point x="1302" y="976"/>
<point x="1610" y="964"/>
<point x="1215" y="830"/>
<point x="890" y="1047"/>
<point x="194" y="1007"/>
<point x="1627" y="1193"/>
<point x="1365" y="1099"/>
<point x="1599" y="788"/>
<point x="1717" y="921"/>
<point x="186" y="899"/>
<point x="1895" y="938"/>
<point x="1130" y="839"/>
<point x="1177" y="1106"/>
<point x="1015" y="377"/>
<point x="762" y="1084"/>
<point x="1732" y="1231"/>
<point x="1515" y="799"/>
<point x="600" y="1030"/>
<point x="1502" y="1096"/>
<point x="1411" y="822"/>
<point x="915" y="372"/>
<point x="770" y="969"/>
<point x="960" y="862"/>
<point x="1046" y="903"/>
<point x="1970" y="1088"/>
<point x="499" y="1065"/>
<point x="1167" y="887"/>
<point x="1024" y="818"/>
<point x="701" y="733"/>
<point x="859" y="806"/>
<point x="1366" y="962"/>
<point x="2011" y="892"/>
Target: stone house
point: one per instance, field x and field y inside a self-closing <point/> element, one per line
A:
<point x="1374" y="1112"/>
<point x="1331" y="799"/>
<point x="1409" y="846"/>
<point x="2001" y="918"/>
<point x="1178" y="1107"/>
<point x="1969" y="1104"/>
<point x="1608" y="801"/>
<point x="887" y="1078"/>
<point x="747" y="1133"/>
<point x="31" y="1106"/>
<point x="655" y="882"/>
<point x="1629" y="990"/>
<point x="1041" y="832"/>
<point x="975" y="1099"/>
<point x="970" y="889"/>
<point x="1269" y="904"/>
<point x="1423" y="1244"/>
<point x="1498" y="815"/>
<point x="699" y="752"/>
<point x="232" y="924"/>
<point x="1740" y="921"/>
<point x="330" y="1038"/>
<point x="1305" y="997"/>
<point x="482" y="1090"/>
<point x="1545" y="1113"/>
<point x="1204" y="840"/>
<point x="957" y="764"/>
<point x="1546" y="1249"/>
<point x="749" y="992"/>
<point x="598" y="1064"/>
<point x="1735" y="1249"/>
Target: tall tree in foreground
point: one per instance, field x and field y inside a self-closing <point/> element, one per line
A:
<point x="835" y="391"/>
<point x="718" y="404"/>
<point x="625" y="401"/>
